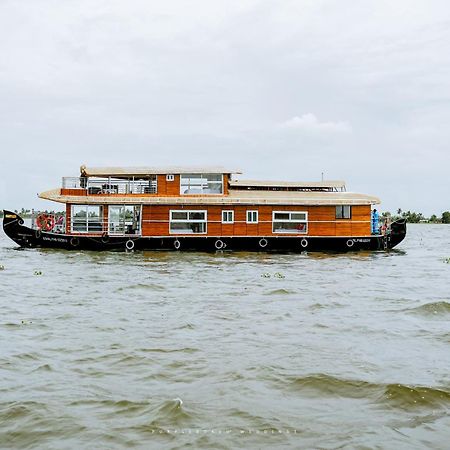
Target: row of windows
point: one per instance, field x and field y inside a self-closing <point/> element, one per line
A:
<point x="125" y="219"/>
<point x="186" y="222"/>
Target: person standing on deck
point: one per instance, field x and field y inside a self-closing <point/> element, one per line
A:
<point x="375" y="218"/>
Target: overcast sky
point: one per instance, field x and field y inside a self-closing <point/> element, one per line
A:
<point x="359" y="90"/>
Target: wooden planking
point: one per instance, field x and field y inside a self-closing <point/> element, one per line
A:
<point x="321" y="220"/>
<point x="343" y="228"/>
<point x="156" y="217"/>
<point x="77" y="192"/>
<point x="68" y="216"/>
<point x="225" y="184"/>
<point x="168" y="188"/>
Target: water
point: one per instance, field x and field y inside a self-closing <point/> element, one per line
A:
<point x="239" y="350"/>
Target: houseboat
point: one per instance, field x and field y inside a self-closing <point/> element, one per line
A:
<point x="203" y="208"/>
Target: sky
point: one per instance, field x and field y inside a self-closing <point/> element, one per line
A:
<point x="283" y="90"/>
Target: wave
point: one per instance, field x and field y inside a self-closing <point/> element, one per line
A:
<point x="396" y="395"/>
<point x="329" y="385"/>
<point x="433" y="308"/>
<point x="280" y="292"/>
<point x="151" y="286"/>
<point x="169" y="413"/>
<point x="168" y="350"/>
<point x="407" y="397"/>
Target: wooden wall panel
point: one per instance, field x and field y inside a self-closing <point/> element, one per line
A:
<point x="343" y="228"/>
<point x="68" y="216"/>
<point x="77" y="192"/>
<point x="322" y="221"/>
<point x="171" y="188"/>
<point x="361" y="229"/>
<point x="322" y="228"/>
<point x="225" y="184"/>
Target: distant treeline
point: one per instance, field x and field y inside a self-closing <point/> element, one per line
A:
<point x="27" y="213"/>
<point x="414" y="217"/>
<point x="410" y="216"/>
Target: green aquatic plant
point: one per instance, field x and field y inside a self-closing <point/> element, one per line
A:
<point x="275" y="275"/>
<point x="447" y="260"/>
<point x="38" y="272"/>
<point x="2" y="267"/>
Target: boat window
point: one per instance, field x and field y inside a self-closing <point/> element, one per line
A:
<point x="124" y="219"/>
<point x="188" y="222"/>
<point x="86" y="219"/>
<point x="290" y="222"/>
<point x="206" y="183"/>
<point x="343" y="212"/>
<point x="227" y="216"/>
<point x="252" y="216"/>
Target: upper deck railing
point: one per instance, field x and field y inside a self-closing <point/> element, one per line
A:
<point x="111" y="186"/>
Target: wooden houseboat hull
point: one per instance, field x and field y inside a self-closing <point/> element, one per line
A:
<point x="27" y="237"/>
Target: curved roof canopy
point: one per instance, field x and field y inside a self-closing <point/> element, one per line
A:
<point x="239" y="184"/>
<point x="127" y="172"/>
<point x="235" y="197"/>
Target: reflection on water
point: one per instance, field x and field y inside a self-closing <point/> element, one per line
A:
<point x="226" y="350"/>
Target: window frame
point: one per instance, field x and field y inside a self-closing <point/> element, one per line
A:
<point x="251" y="211"/>
<point x="290" y="220"/>
<point x="139" y="230"/>
<point x="343" y="212"/>
<point x="188" y="220"/>
<point x="228" y="211"/>
<point x="204" y="181"/>
<point x="86" y="221"/>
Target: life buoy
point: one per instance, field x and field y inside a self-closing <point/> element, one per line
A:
<point x="219" y="244"/>
<point x="177" y="244"/>
<point x="74" y="242"/>
<point x="45" y="222"/>
<point x="129" y="244"/>
<point x="304" y="243"/>
<point x="263" y="242"/>
<point x="350" y="243"/>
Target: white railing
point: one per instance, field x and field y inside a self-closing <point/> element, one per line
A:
<point x="71" y="183"/>
<point x="55" y="223"/>
<point x="111" y="185"/>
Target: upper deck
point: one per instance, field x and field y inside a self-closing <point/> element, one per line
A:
<point x="195" y="185"/>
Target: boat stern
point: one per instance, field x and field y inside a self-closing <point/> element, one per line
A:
<point x="398" y="232"/>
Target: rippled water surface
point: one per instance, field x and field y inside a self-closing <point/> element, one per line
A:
<point x="226" y="350"/>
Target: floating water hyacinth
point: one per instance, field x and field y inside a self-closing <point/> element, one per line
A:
<point x="38" y="272"/>
<point x="2" y="267"/>
<point x="447" y="260"/>
<point x="275" y="275"/>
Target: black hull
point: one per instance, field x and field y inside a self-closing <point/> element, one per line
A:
<point x="26" y="237"/>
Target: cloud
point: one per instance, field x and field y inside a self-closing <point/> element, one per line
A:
<point x="310" y="123"/>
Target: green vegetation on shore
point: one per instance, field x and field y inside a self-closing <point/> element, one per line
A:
<point x="410" y="216"/>
<point x="28" y="213"/>
<point x="414" y="217"/>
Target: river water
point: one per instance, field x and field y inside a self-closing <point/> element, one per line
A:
<point x="226" y="350"/>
